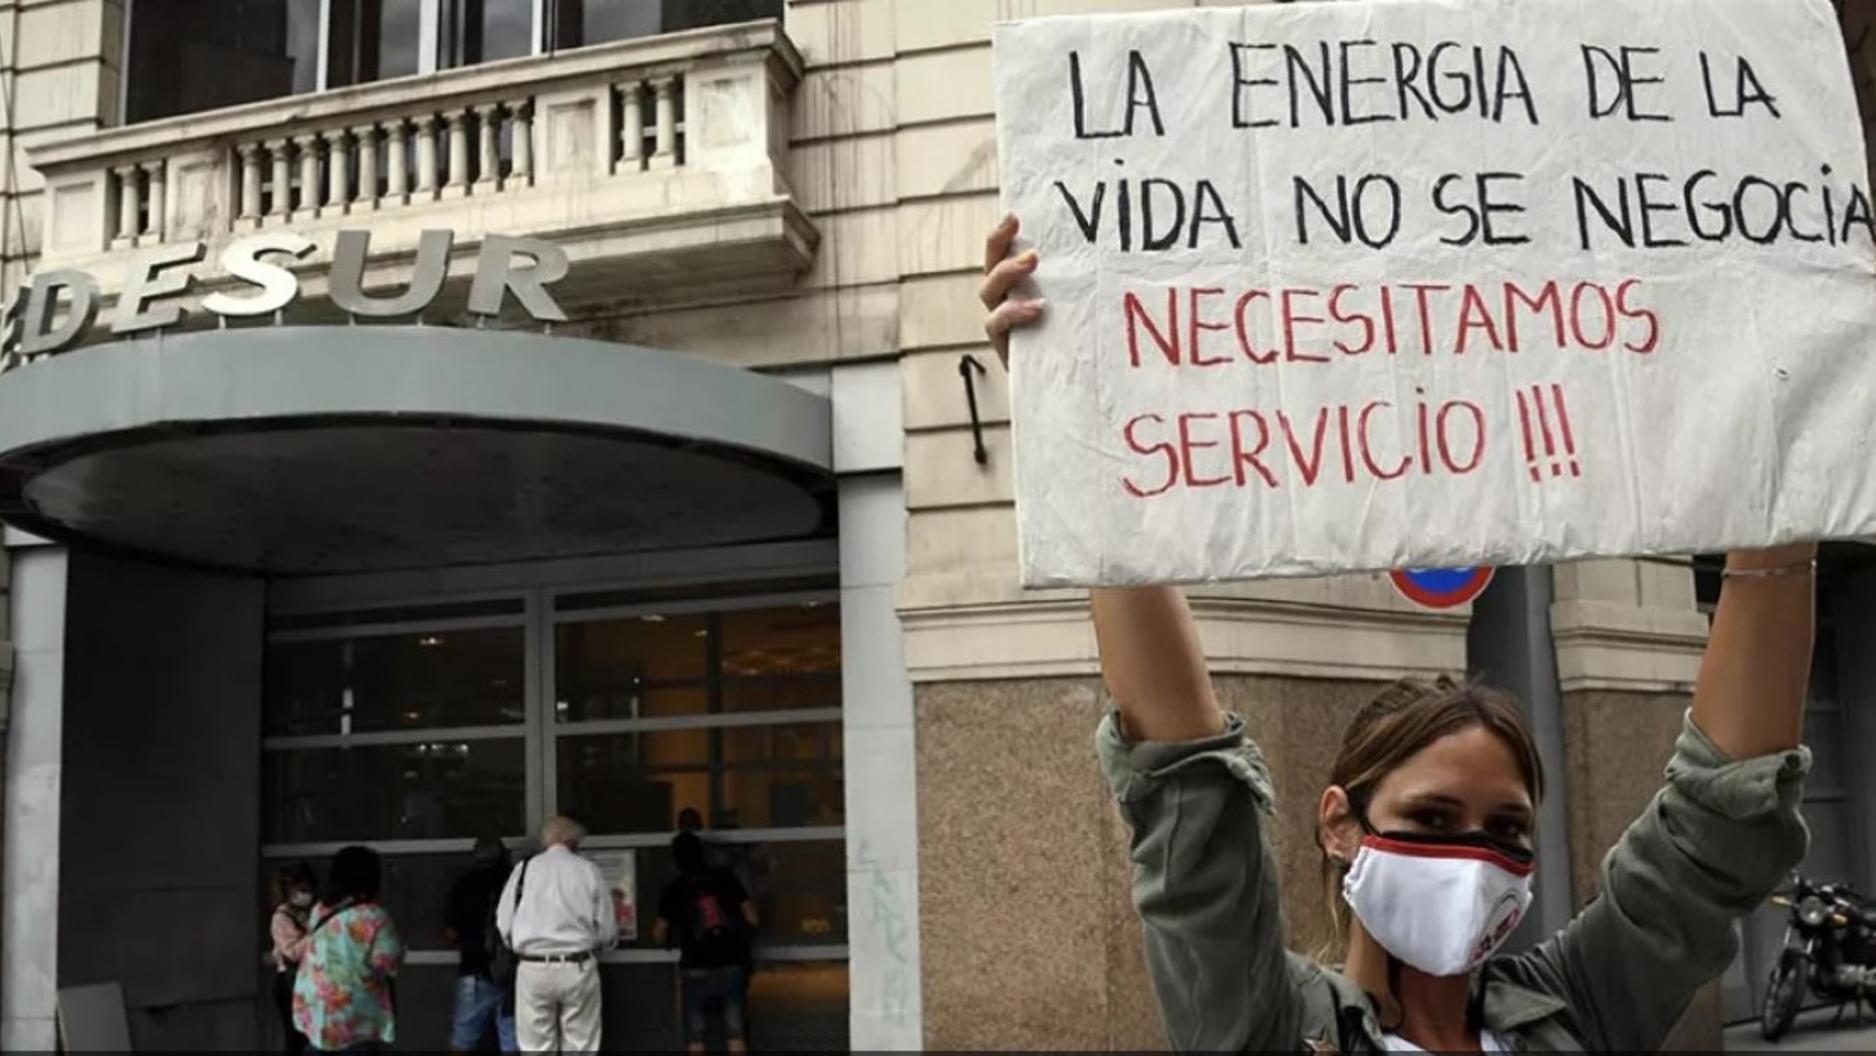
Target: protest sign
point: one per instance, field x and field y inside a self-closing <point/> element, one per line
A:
<point x="1436" y="283"/>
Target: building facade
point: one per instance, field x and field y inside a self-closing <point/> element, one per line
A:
<point x="722" y="539"/>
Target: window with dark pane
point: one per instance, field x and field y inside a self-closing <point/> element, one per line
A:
<point x="701" y="665"/>
<point x="187" y="56"/>
<point x="410" y="680"/>
<point x="575" y="23"/>
<point x="373" y="40"/>
<point x="476" y="31"/>
<point x="428" y="790"/>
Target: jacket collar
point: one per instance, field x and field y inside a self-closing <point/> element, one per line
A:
<point x="1506" y="1006"/>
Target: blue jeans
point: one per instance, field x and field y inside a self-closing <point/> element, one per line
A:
<point x="478" y="1006"/>
<point x="701" y="986"/>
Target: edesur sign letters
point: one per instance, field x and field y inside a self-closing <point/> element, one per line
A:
<point x="505" y="265"/>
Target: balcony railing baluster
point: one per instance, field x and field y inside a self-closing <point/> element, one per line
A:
<point x="489" y="160"/>
<point x="397" y="162"/>
<point x="367" y="137"/>
<point x="250" y="184"/>
<point x="154" y="218"/>
<point x="458" y="153"/>
<point x="523" y="173"/>
<point x="129" y="204"/>
<point x="426" y="157"/>
<point x="666" y="157"/>
<point x="278" y="151"/>
<point x="307" y="146"/>
<point x="338" y="170"/>
<point x="632" y="138"/>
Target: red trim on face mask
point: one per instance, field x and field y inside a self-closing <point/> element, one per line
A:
<point x="1451" y="850"/>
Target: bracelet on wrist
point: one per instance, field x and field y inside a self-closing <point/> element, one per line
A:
<point x="1796" y="568"/>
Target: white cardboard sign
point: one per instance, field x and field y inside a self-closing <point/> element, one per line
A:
<point x="1436" y="283"/>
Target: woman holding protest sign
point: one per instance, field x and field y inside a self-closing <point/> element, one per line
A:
<point x="1426" y="833"/>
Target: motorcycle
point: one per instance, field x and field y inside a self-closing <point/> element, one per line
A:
<point x="1829" y="950"/>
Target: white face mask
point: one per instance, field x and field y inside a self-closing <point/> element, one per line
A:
<point x="1441" y="905"/>
<point x="301" y="899"/>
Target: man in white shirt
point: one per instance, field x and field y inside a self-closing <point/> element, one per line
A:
<point x="556" y="914"/>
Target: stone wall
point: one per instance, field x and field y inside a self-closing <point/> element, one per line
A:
<point x="1028" y="930"/>
<point x="59" y="65"/>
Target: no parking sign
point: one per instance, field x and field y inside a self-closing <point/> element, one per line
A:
<point x="1441" y="588"/>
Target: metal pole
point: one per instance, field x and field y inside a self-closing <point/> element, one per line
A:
<point x="1509" y="645"/>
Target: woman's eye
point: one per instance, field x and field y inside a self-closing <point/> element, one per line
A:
<point x="1432" y="820"/>
<point x="1515" y="831"/>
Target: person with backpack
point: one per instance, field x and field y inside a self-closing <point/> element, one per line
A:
<point x="556" y="913"/>
<point x="706" y="913"/>
<point x="484" y="999"/>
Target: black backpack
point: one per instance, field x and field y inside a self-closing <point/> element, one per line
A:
<point x="502" y="960"/>
<point x="714" y="927"/>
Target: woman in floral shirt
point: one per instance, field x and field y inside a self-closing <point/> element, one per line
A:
<point x="343" y="996"/>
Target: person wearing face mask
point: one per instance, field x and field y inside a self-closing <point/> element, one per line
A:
<point x="1426" y="831"/>
<point x="293" y="906"/>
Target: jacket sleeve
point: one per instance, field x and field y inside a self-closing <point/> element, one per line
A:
<point x="1205" y="885"/>
<point x="1715" y="842"/>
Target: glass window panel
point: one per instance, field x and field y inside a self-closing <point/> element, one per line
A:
<point x="609" y="669"/>
<point x="781" y="693"/>
<point x="690" y="14"/>
<point x="187" y="56"/>
<point x="373" y="40"/>
<point x="473" y="31"/>
<point x="433" y="790"/>
<point x="799" y="889"/>
<point x="768" y="659"/>
<point x="410" y="680"/>
<point x="573" y="23"/>
<point x="416" y="891"/>
<point x="748" y="777"/>
<point x="792" y="641"/>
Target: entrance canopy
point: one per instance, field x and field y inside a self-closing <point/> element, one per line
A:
<point x="341" y="449"/>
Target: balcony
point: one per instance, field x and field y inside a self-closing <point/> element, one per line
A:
<point x="657" y="164"/>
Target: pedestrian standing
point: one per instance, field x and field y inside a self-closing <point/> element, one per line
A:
<point x="482" y="1001"/>
<point x="294" y="887"/>
<point x="556" y="914"/>
<point x="707" y="914"/>
<point x="343" y="996"/>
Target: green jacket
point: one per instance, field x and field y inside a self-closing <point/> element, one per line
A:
<point x="1712" y="846"/>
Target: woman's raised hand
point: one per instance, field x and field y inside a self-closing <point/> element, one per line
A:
<point x="1001" y="274"/>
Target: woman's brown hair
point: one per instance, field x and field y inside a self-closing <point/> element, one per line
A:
<point x="1392" y="728"/>
<point x="295" y="876"/>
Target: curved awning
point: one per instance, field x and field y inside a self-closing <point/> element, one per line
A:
<point x="337" y="449"/>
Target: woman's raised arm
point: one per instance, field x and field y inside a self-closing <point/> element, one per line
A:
<point x="1749" y="700"/>
<point x="1151" y="658"/>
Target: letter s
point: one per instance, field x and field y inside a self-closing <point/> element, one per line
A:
<point x="1644" y="314"/>
<point x="278" y="286"/>
<point x="1172" y="458"/>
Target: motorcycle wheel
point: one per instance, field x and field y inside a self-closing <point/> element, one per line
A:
<point x="1783" y="996"/>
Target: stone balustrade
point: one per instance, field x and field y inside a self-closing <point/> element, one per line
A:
<point x="597" y="144"/>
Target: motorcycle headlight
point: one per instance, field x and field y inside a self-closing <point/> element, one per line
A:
<point x="1812" y="911"/>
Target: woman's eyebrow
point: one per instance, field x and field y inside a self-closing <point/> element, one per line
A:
<point x="1433" y="799"/>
